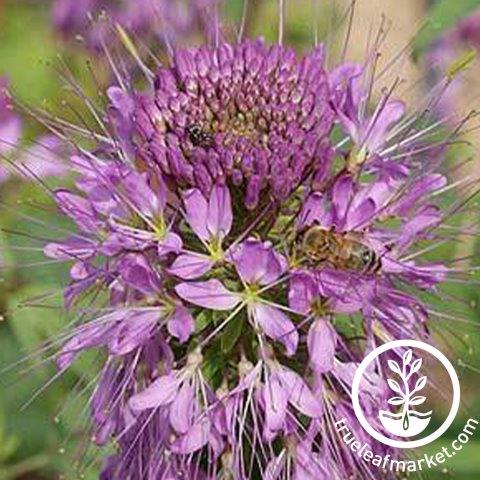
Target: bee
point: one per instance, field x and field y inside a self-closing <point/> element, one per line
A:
<point x="319" y="245"/>
<point x="200" y="138"/>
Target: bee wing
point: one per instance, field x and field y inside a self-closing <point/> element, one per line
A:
<point x="355" y="237"/>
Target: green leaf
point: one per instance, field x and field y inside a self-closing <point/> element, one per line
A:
<point x="231" y="333"/>
<point x="213" y="367"/>
<point x="26" y="44"/>
<point x="36" y="314"/>
<point x="203" y="319"/>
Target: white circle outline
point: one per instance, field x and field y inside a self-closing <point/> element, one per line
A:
<point x="356" y="389"/>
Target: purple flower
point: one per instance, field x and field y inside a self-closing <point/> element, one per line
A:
<point x="226" y="349"/>
<point x="121" y="331"/>
<point x="258" y="265"/>
<point x="177" y="395"/>
<point x="162" y="18"/>
<point x="368" y="133"/>
<point x="211" y="221"/>
<point x="42" y="160"/>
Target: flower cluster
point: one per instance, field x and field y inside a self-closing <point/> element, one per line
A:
<point x="166" y="19"/>
<point x="252" y="114"/>
<point x="230" y="347"/>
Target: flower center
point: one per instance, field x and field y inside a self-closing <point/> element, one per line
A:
<point x="251" y="293"/>
<point x="215" y="249"/>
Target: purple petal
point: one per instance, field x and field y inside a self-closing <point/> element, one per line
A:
<point x="134" y="330"/>
<point x="302" y="292"/>
<point x="389" y="114"/>
<point x="85" y="337"/>
<point x="361" y="216"/>
<point x="183" y="409"/>
<point x="350" y="126"/>
<point x="181" y="324"/>
<point x="299" y="394"/>
<point x="342" y="78"/>
<point x="196" y="212"/>
<point x="417" y="190"/>
<point x="121" y="100"/>
<point x="77" y="288"/>
<point x="161" y="392"/>
<point x="81" y="270"/>
<point x="322" y="342"/>
<point x="136" y="271"/>
<point x="44" y="159"/>
<point x="309" y="466"/>
<point x="345" y="296"/>
<point x="276" y="401"/>
<point x="78" y="209"/>
<point x="191" y="265"/>
<point x="248" y="380"/>
<point x="341" y="198"/>
<point x="10" y="133"/>
<point x="428" y="217"/>
<point x="314" y="210"/>
<point x="258" y="262"/>
<point x="141" y="198"/>
<point x="73" y="248"/>
<point x="275" y="467"/>
<point x="220" y="217"/>
<point x="216" y="442"/>
<point x="211" y="294"/>
<point x="196" y="438"/>
<point x="171" y="243"/>
<point x="277" y="325"/>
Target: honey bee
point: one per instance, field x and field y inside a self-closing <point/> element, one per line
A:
<point x="319" y="245"/>
<point x="200" y="138"/>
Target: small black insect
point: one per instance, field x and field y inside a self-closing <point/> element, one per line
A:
<point x="199" y="138"/>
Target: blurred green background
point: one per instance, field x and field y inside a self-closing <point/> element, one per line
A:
<point x="48" y="438"/>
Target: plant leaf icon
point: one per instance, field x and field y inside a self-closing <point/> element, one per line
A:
<point x="394" y="386"/>
<point x="421" y="382"/>
<point x="417" y="364"/>
<point x="394" y="366"/>
<point x="407" y="358"/>
<point x="417" y="400"/>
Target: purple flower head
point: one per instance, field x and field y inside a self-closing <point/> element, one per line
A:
<point x="250" y="115"/>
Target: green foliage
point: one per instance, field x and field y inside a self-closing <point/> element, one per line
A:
<point x="8" y="443"/>
<point x="26" y="46"/>
<point x="442" y="16"/>
<point x="231" y="333"/>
